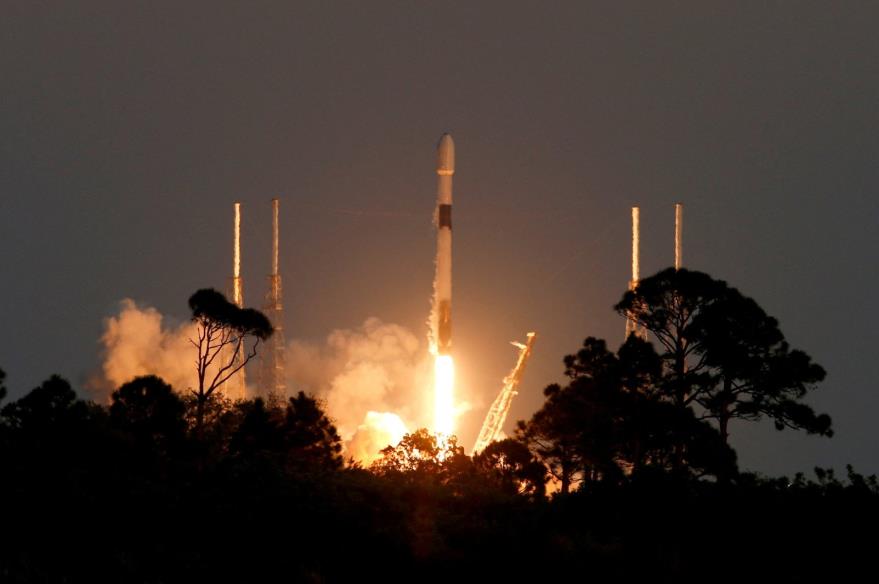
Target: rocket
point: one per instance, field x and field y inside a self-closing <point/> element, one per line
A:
<point x="445" y="168"/>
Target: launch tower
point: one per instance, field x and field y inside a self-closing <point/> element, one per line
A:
<point x="236" y="386"/>
<point x="273" y="361"/>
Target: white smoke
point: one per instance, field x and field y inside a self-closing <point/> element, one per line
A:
<point x="135" y="343"/>
<point x="363" y="375"/>
<point x="138" y="341"/>
<point x="375" y="380"/>
<point x="378" y="430"/>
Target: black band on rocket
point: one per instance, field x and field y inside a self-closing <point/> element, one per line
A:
<point x="445" y="216"/>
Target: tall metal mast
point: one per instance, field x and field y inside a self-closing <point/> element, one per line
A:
<point x="273" y="370"/>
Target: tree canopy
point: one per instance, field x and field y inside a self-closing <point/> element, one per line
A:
<point x="722" y="352"/>
<point x="610" y="422"/>
<point x="150" y="411"/>
<point x="223" y="329"/>
<point x="635" y="439"/>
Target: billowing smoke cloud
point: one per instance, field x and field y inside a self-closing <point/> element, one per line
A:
<point x="378" y="430"/>
<point x="135" y="342"/>
<point x="138" y="341"/>
<point x="374" y="380"/>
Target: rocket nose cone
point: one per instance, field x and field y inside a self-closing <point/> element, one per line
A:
<point x="445" y="155"/>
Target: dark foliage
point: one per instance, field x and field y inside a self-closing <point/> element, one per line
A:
<point x="513" y="468"/>
<point x="126" y="494"/>
<point x="162" y="486"/>
<point x="148" y="410"/>
<point x="211" y="306"/>
<point x="612" y="422"/>
<point x="223" y="330"/>
<point x="722" y="352"/>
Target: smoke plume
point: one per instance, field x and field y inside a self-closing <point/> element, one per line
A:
<point x="363" y="375"/>
<point x="378" y="430"/>
<point x="374" y="379"/>
<point x="136" y="342"/>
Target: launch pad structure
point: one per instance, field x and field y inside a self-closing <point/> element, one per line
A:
<point x="273" y="379"/>
<point x="236" y="386"/>
<point x="271" y="373"/>
<point x="497" y="414"/>
<point x="632" y="326"/>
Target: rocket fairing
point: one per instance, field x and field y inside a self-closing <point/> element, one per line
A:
<point x="445" y="168"/>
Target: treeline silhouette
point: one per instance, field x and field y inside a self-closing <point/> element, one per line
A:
<point x="162" y="485"/>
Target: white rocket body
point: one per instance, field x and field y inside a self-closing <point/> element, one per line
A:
<point x="445" y="169"/>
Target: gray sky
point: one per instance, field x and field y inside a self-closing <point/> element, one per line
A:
<point x="128" y="128"/>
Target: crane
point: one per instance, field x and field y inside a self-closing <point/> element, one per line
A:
<point x="497" y="414"/>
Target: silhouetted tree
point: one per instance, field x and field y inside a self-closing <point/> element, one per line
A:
<point x="754" y="372"/>
<point x="297" y="434"/>
<point x="150" y="411"/>
<point x="258" y="432"/>
<point x="610" y="421"/>
<point x="723" y="352"/>
<point x="420" y="457"/>
<point x="223" y="329"/>
<point x="2" y="386"/>
<point x="630" y="424"/>
<point x="554" y="434"/>
<point x="511" y="465"/>
<point x="666" y="304"/>
<point x="51" y="425"/>
<point x="47" y="409"/>
<point x="309" y="435"/>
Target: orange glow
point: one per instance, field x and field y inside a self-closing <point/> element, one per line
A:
<point x="378" y="430"/>
<point x="444" y="396"/>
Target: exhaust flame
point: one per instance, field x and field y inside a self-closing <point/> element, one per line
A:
<point x="444" y="401"/>
<point x="378" y="430"/>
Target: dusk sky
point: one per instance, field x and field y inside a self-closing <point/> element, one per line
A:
<point x="127" y="129"/>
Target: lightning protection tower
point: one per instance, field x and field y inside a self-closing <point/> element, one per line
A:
<point x="273" y="361"/>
